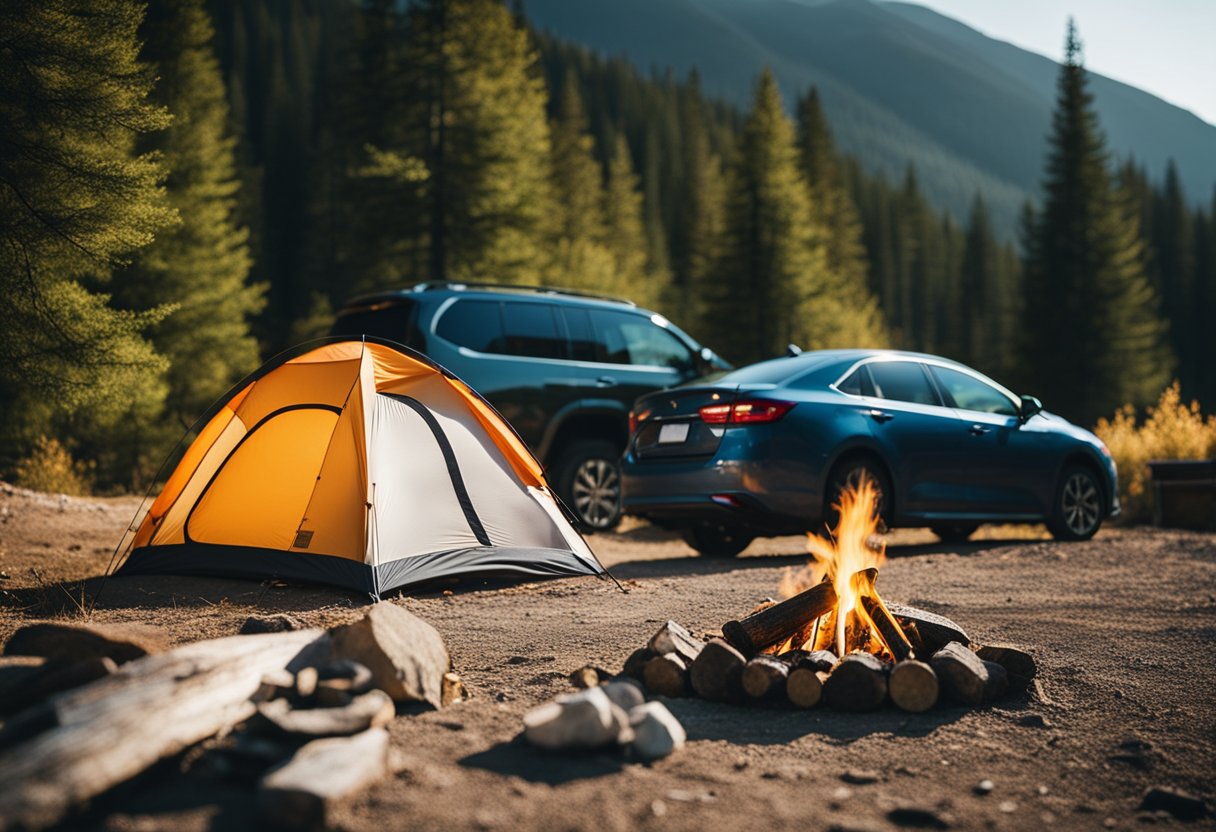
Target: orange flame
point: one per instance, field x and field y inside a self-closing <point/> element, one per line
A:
<point x="843" y="559"/>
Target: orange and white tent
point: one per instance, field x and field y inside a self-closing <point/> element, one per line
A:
<point x="362" y="464"/>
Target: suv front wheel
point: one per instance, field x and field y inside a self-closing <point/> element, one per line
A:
<point x="589" y="481"/>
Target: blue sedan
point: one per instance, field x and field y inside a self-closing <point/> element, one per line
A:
<point x="766" y="449"/>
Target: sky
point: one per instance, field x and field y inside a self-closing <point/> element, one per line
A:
<point x="1165" y="47"/>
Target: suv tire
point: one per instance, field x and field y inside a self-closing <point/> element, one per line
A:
<point x="589" y="482"/>
<point x="715" y="541"/>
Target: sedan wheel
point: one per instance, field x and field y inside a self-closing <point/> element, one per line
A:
<point x="589" y="480"/>
<point x="714" y="541"/>
<point x="1077" y="513"/>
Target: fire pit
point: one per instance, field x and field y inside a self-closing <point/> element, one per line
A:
<point x="833" y="640"/>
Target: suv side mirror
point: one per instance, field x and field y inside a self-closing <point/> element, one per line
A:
<point x="1030" y="406"/>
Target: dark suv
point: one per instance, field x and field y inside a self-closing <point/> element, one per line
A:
<point x="562" y="367"/>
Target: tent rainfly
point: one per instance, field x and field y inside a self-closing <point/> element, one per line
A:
<point x="362" y="464"/>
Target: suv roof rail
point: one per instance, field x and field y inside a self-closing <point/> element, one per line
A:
<point x="431" y="285"/>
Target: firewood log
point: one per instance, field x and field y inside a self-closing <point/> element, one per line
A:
<point x="913" y="686"/>
<point x="823" y="660"/>
<point x="1019" y="664"/>
<point x="961" y="673"/>
<point x="776" y="624"/>
<point x="717" y="673"/>
<point x="892" y="634"/>
<point x="635" y="665"/>
<point x="666" y="675"/>
<point x="804" y="686"/>
<point x="764" y="677"/>
<point x="672" y="638"/>
<point x="927" y="631"/>
<point x="998" y="681"/>
<point x="858" y="682"/>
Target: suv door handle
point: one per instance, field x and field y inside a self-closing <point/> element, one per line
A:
<point x="605" y="381"/>
<point x="881" y="416"/>
<point x="978" y="430"/>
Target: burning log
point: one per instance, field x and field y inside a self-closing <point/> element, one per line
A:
<point x="764" y="677"/>
<point x="857" y="683"/>
<point x="887" y="626"/>
<point x="776" y="624"/>
<point x="962" y="673"/>
<point x="823" y="660"/>
<point x="927" y="631"/>
<point x="717" y="673"/>
<point x="913" y="686"/>
<point x="666" y="675"/>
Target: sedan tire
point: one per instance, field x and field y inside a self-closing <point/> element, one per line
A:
<point x="1076" y="511"/>
<point x="960" y="533"/>
<point x="716" y="541"/>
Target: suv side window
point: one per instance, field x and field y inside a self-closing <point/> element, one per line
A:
<point x="902" y="381"/>
<point x="531" y="330"/>
<point x="581" y="334"/>
<point x="476" y="324"/>
<point x="966" y="392"/>
<point x="632" y="339"/>
<point x="858" y="383"/>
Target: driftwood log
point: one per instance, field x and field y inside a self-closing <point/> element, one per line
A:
<point x="913" y="686"/>
<point x="774" y="625"/>
<point x="858" y="682"/>
<point x="111" y="730"/>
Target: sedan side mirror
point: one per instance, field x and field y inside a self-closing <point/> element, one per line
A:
<point x="1030" y="406"/>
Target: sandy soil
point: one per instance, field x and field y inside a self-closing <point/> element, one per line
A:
<point x="1123" y="627"/>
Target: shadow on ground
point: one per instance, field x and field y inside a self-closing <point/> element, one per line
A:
<point x="518" y="759"/>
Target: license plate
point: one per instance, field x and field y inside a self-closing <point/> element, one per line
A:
<point x="673" y="434"/>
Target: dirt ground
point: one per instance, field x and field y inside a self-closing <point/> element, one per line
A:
<point x="1123" y="628"/>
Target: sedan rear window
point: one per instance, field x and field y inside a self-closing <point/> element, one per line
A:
<point x="902" y="381"/>
<point x="858" y="383"/>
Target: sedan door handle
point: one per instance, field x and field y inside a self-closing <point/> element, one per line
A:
<point x="881" y="416"/>
<point x="978" y="430"/>
<point x="605" y="381"/>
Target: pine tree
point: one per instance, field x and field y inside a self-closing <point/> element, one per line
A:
<point x="75" y="201"/>
<point x="1174" y="260"/>
<point x="980" y="302"/>
<point x="1093" y="338"/>
<point x="200" y="266"/>
<point x="625" y="232"/>
<point x="768" y="279"/>
<point x="835" y="218"/>
<point x="478" y="127"/>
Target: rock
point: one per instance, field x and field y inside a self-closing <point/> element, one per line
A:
<point x="406" y="656"/>
<point x="270" y="624"/>
<point x="304" y="791"/>
<point x="453" y="689"/>
<point x="858" y="777"/>
<point x="52" y="677"/>
<point x="624" y="694"/>
<point x="373" y="709"/>
<point x="583" y="720"/>
<point x="656" y="732"/>
<point x="306" y="682"/>
<point x="274" y="685"/>
<point x="1178" y="803"/>
<point x="919" y="817"/>
<point x="961" y="673"/>
<point x="16" y="671"/>
<point x="984" y="787"/>
<point x="79" y="641"/>
<point x="1034" y="721"/>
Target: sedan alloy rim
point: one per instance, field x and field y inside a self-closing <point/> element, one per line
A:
<point x="597" y="492"/>
<point x="1081" y="504"/>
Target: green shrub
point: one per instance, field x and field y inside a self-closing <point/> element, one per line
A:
<point x="1172" y="430"/>
<point x="50" y="467"/>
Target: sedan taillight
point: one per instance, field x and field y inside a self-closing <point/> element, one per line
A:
<point x="745" y="412"/>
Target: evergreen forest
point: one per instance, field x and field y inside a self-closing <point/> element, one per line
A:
<point x="188" y="187"/>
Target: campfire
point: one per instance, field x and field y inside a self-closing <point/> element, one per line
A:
<point x="833" y="639"/>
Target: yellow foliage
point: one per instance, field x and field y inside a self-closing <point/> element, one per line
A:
<point x="1173" y="430"/>
<point x="51" y="468"/>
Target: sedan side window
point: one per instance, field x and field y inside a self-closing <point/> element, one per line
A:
<point x="902" y="381"/>
<point x="966" y="392"/>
